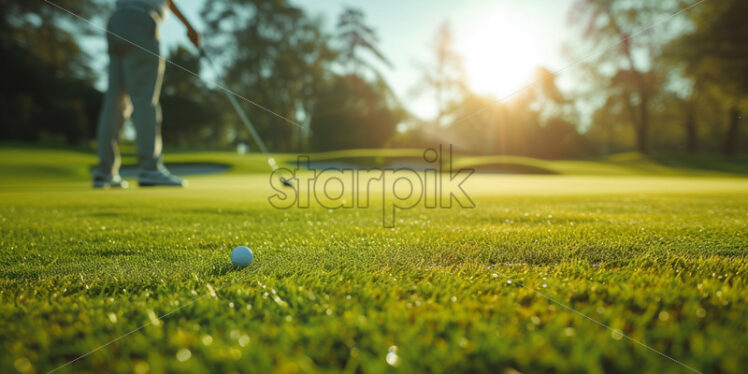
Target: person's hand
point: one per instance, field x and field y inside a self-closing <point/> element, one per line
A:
<point x="194" y="37"/>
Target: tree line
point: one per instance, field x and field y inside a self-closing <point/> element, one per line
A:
<point x="678" y="87"/>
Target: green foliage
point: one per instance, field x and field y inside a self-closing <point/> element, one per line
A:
<point x="50" y="34"/>
<point x="665" y="86"/>
<point x="274" y="54"/>
<point x="621" y="56"/>
<point x="192" y="112"/>
<point x="47" y="83"/>
<point x="444" y="77"/>
<point x="715" y="56"/>
<point x="354" y="113"/>
<point x="536" y="122"/>
<point x="34" y="100"/>
<point x="690" y="98"/>
<point x="353" y="110"/>
<point x="356" y="35"/>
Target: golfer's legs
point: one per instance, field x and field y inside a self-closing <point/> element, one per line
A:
<point x="112" y="116"/>
<point x="143" y="75"/>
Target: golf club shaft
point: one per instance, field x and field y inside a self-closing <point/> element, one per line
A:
<point x="240" y="111"/>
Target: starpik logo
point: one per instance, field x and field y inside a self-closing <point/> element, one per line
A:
<point x="435" y="184"/>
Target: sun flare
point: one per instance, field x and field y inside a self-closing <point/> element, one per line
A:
<point x="501" y="56"/>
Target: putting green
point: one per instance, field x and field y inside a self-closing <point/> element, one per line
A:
<point x="659" y="259"/>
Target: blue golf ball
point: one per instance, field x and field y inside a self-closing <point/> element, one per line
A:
<point x="242" y="256"/>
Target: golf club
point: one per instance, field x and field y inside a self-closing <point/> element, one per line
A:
<point x="244" y="118"/>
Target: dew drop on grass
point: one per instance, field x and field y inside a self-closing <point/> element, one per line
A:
<point x="155" y="321"/>
<point x="183" y="355"/>
<point x="616" y="334"/>
<point x="235" y="354"/>
<point x="22" y="364"/>
<point x="663" y="316"/>
<point x="392" y="358"/>
<point x="211" y="291"/>
<point x="207" y="340"/>
<point x="141" y="367"/>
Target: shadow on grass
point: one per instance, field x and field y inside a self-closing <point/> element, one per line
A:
<point x="510" y="168"/>
<point x="716" y="163"/>
<point x="179" y="168"/>
<point x="223" y="268"/>
<point x="418" y="164"/>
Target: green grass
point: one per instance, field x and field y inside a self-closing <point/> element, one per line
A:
<point x="658" y="253"/>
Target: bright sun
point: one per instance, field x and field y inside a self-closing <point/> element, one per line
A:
<point x="501" y="56"/>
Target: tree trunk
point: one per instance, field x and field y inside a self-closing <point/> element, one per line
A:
<point x="732" y="132"/>
<point x="608" y="146"/>
<point x="690" y="129"/>
<point x="643" y="127"/>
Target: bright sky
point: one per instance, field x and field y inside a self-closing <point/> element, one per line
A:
<point x="501" y="40"/>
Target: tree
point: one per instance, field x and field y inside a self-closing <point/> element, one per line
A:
<point x="446" y="78"/>
<point x="49" y="33"/>
<point x="192" y="112"/>
<point x="356" y="36"/>
<point x="50" y="90"/>
<point x="624" y="60"/>
<point x="274" y="55"/>
<point x="354" y="110"/>
<point x="715" y="55"/>
<point x="354" y="113"/>
<point x="536" y="122"/>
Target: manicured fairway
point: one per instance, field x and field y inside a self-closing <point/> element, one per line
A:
<point x="661" y="259"/>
